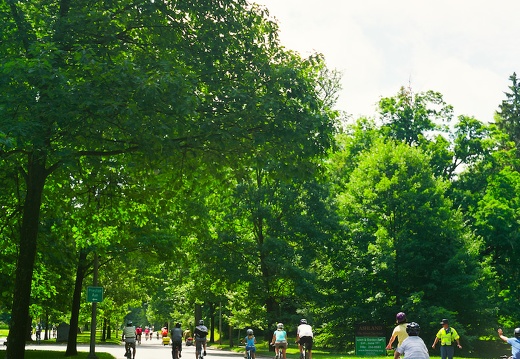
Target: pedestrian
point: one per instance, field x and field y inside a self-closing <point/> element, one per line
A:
<point x="413" y="347"/>
<point x="447" y="336"/>
<point x="399" y="331"/>
<point x="514" y="342"/>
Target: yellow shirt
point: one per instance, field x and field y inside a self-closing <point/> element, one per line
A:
<point x="447" y="336"/>
<point x="401" y="333"/>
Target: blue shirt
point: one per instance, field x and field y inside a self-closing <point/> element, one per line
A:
<point x="515" y="347"/>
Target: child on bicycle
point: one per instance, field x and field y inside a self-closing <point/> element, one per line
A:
<point x="250" y="342"/>
<point x="280" y="341"/>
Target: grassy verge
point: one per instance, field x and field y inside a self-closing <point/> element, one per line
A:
<point x="262" y="350"/>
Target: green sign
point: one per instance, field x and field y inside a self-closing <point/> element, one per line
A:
<point x="94" y="294"/>
<point x="370" y="346"/>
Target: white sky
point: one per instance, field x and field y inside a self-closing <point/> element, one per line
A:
<point x="464" y="49"/>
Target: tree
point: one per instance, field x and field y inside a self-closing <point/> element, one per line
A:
<point x="411" y="117"/>
<point x="403" y="237"/>
<point x="507" y="118"/>
<point x="83" y="79"/>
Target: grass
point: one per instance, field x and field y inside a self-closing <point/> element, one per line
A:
<point x="262" y="350"/>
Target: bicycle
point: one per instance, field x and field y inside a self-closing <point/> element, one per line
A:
<point x="128" y="349"/>
<point x="175" y="350"/>
<point x="198" y="349"/>
<point x="305" y="352"/>
<point x="279" y="354"/>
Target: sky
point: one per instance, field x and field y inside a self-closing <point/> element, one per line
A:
<point x="464" y="49"/>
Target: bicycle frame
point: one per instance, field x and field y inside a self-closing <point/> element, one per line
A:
<point x="305" y="351"/>
<point x="198" y="349"/>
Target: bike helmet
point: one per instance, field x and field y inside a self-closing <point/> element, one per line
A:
<point x="413" y="329"/>
<point x="517" y="332"/>
<point x="303" y="321"/>
<point x="400" y="317"/>
<point x="201" y="322"/>
<point x="178" y="325"/>
<point x="280" y="326"/>
<point x="129" y="323"/>
<point x="250" y="332"/>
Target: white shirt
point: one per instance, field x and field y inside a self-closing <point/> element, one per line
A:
<point x="413" y="347"/>
<point x="304" y="330"/>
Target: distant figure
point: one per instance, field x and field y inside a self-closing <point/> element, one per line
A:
<point x="201" y="331"/>
<point x="177" y="339"/>
<point x="129" y="337"/>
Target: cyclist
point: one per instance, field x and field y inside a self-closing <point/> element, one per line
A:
<point x="514" y="342"/>
<point x="304" y="335"/>
<point x="129" y="337"/>
<point x="250" y="341"/>
<point x="176" y="336"/>
<point x="280" y="341"/>
<point x="138" y="334"/>
<point x="201" y="331"/>
<point x="413" y="346"/>
<point x="399" y="331"/>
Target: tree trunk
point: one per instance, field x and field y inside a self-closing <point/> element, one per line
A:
<point x="104" y="331"/>
<point x="72" y="341"/>
<point x="47" y="336"/>
<point x="35" y="180"/>
<point x="212" y="323"/>
<point x="231" y="343"/>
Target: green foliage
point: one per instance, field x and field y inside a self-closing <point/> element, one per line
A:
<point x="508" y="115"/>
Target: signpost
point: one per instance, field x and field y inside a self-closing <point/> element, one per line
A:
<point x="94" y="294"/>
<point x="370" y="340"/>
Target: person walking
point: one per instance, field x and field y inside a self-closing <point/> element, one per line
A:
<point x="447" y="336"/>
<point x="399" y="331"/>
<point x="514" y="342"/>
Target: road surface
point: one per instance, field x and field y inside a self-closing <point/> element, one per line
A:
<point x="152" y="349"/>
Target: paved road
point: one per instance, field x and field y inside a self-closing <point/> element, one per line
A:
<point x="147" y="350"/>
